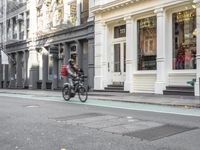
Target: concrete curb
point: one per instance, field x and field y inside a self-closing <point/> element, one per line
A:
<point x="107" y="97"/>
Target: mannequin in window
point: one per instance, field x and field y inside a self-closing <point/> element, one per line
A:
<point x="180" y="58"/>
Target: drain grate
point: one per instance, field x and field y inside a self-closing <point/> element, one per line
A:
<point x="81" y="116"/>
<point x="158" y="132"/>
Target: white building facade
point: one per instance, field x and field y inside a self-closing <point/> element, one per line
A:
<point x="147" y="45"/>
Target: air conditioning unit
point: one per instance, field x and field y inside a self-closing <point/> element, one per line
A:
<point x="20" y="18"/>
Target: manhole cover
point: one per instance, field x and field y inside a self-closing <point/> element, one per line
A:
<point x="81" y="116"/>
<point x="158" y="132"/>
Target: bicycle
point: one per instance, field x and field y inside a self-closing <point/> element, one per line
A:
<point x="77" y="88"/>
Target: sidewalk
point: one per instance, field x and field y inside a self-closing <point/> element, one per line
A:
<point x="179" y="101"/>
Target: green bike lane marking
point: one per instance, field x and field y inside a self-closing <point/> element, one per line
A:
<point x="116" y="104"/>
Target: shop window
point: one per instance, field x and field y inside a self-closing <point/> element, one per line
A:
<point x="147" y="36"/>
<point x="184" y="40"/>
<point x="120" y="31"/>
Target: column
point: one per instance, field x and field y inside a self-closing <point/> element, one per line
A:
<point x="91" y="63"/>
<point x="66" y="52"/>
<point x="12" y="72"/>
<point x="78" y="12"/>
<point x="33" y="68"/>
<point x="128" y="85"/>
<point x="55" y="71"/>
<point x="99" y="49"/>
<point x="79" y="50"/>
<point x="25" y="84"/>
<point x="104" y="54"/>
<point x="5" y="76"/>
<point x="160" y="84"/>
<point x="45" y="66"/>
<point x="19" y="83"/>
<point x="66" y="57"/>
<point x="197" y="93"/>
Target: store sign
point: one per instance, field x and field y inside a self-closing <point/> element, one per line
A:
<point x="185" y="15"/>
<point x="4" y="58"/>
<point x="148" y="22"/>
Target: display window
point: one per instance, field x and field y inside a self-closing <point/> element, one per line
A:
<point x="184" y="39"/>
<point x="147" y="37"/>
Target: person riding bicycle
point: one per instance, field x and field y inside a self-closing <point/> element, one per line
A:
<point x="72" y="71"/>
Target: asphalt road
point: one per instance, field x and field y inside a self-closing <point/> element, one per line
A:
<point x="37" y="124"/>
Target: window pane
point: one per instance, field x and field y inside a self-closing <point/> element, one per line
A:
<point x="120" y="31"/>
<point x="184" y="40"/>
<point x="117" y="58"/>
<point x="147" y="36"/>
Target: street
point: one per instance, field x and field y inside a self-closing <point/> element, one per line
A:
<point x="49" y="123"/>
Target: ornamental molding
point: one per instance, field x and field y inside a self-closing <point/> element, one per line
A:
<point x="113" y="5"/>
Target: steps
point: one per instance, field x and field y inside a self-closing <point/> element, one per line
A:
<point x="179" y="90"/>
<point x="113" y="88"/>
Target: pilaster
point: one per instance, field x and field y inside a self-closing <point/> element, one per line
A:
<point x="25" y="84"/>
<point x="99" y="49"/>
<point x="160" y="84"/>
<point x="91" y="63"/>
<point x="78" y="12"/>
<point x="91" y="16"/>
<point x="128" y="85"/>
<point x="44" y="68"/>
<point x="12" y="72"/>
<point x="19" y="83"/>
<point x="33" y="68"/>
<point x="79" y="49"/>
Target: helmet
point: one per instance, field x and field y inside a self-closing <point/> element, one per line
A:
<point x="70" y="61"/>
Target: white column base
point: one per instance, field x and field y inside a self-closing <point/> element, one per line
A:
<point x="128" y="85"/>
<point x="159" y="87"/>
<point x="98" y="83"/>
<point x="196" y="89"/>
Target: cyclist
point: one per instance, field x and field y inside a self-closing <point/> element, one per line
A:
<point x="72" y="72"/>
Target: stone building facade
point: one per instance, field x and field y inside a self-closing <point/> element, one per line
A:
<point x="147" y="45"/>
<point x="54" y="31"/>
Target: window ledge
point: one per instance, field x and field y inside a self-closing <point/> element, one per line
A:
<point x="150" y="72"/>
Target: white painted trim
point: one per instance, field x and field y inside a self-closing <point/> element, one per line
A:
<point x="145" y="72"/>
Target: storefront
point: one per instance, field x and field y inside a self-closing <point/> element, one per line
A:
<point x="152" y="47"/>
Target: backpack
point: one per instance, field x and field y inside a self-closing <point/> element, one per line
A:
<point x="64" y="71"/>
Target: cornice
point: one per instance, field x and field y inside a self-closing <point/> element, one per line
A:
<point x="113" y="5"/>
<point x="98" y="9"/>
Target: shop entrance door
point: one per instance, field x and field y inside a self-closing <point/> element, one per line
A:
<point x="119" y="68"/>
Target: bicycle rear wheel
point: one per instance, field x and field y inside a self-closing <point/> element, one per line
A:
<point x="66" y="92"/>
<point x="82" y="94"/>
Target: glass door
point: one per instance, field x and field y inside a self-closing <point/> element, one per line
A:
<point x="119" y="68"/>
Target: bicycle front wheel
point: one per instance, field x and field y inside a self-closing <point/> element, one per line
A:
<point x="66" y="93"/>
<point x="82" y="94"/>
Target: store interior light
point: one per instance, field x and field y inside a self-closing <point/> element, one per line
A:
<point x="194" y="33"/>
<point x="194" y="6"/>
